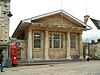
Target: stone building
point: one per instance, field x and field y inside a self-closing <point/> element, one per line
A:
<point x="52" y="36"/>
<point x="4" y="21"/>
<point x="4" y="27"/>
<point x="95" y="50"/>
<point x="95" y="47"/>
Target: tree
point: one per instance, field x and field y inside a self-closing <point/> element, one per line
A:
<point x="98" y="40"/>
<point x="92" y="42"/>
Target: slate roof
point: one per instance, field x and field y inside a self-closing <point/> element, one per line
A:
<point x="96" y="22"/>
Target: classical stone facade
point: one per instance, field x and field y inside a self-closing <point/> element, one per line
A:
<point x="53" y="36"/>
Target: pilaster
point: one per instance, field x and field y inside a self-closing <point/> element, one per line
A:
<point x="46" y="56"/>
<point x="80" y="46"/>
<point x="68" y="46"/>
<point x="29" y="45"/>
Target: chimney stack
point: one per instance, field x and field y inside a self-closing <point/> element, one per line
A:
<point x="86" y="17"/>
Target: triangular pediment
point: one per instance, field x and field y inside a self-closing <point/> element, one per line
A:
<point x="56" y="19"/>
<point x="59" y="16"/>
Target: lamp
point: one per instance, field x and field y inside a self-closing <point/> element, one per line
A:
<point x="9" y="14"/>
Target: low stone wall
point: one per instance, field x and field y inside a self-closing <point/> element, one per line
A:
<point x="22" y="50"/>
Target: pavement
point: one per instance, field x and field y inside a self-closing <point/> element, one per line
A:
<point x="71" y="68"/>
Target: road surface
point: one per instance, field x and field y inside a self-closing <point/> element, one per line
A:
<point x="68" y="68"/>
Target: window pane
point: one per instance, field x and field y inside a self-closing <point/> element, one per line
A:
<point x="50" y="39"/>
<point x="37" y="40"/>
<point x="56" y="41"/>
<point x="73" y="41"/>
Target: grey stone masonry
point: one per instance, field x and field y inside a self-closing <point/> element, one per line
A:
<point x="4" y="21"/>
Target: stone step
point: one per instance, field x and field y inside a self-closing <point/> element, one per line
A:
<point x="45" y="62"/>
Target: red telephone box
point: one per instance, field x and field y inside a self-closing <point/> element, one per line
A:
<point x="13" y="54"/>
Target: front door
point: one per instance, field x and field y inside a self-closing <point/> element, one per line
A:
<point x="5" y="49"/>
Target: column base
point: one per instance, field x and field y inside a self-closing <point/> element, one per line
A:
<point x="69" y="58"/>
<point x="29" y="60"/>
<point x="81" y="58"/>
<point x="47" y="58"/>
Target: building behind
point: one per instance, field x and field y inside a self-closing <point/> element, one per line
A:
<point x="4" y="21"/>
<point x="4" y="27"/>
<point x="95" y="50"/>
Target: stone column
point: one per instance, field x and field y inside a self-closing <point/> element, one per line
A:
<point x="46" y="56"/>
<point x="68" y="46"/>
<point x="80" y="46"/>
<point x="29" y="45"/>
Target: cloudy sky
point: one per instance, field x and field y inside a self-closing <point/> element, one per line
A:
<point x="23" y="9"/>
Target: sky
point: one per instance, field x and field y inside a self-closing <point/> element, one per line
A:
<point x="23" y="9"/>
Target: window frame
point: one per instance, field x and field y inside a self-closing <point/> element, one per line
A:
<point x="39" y="39"/>
<point x="56" y="40"/>
<point x="73" y="40"/>
<point x="60" y="40"/>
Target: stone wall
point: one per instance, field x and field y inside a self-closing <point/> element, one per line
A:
<point x="95" y="51"/>
<point x="22" y="54"/>
<point x="4" y="21"/>
<point x="57" y="54"/>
